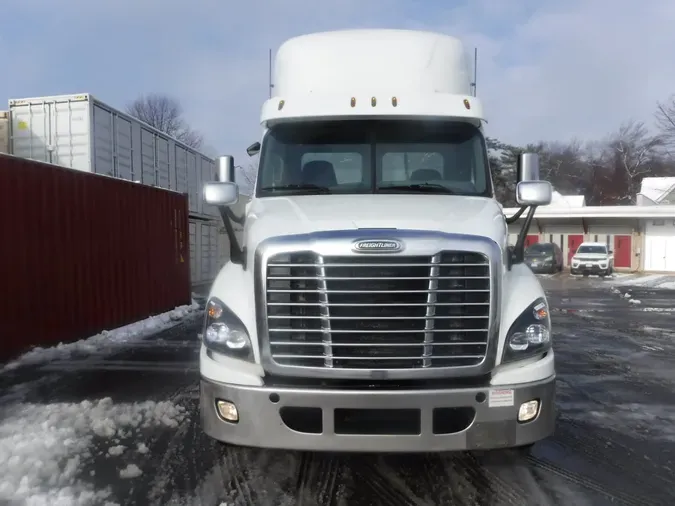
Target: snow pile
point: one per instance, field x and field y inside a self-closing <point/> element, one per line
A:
<point x="116" y="451"/>
<point x="43" y="447"/>
<point x="133" y="331"/>
<point x="131" y="471"/>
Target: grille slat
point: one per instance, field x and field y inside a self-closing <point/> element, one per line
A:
<point x="378" y="311"/>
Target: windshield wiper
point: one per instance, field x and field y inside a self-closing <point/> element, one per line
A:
<point x="420" y="187"/>
<point x="310" y="188"/>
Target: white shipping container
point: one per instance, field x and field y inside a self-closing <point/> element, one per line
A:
<point x="83" y="133"/>
<point x="4" y="132"/>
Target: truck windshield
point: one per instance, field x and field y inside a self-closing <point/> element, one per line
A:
<point x="374" y="156"/>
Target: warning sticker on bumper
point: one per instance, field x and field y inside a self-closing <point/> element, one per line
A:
<point x="501" y="398"/>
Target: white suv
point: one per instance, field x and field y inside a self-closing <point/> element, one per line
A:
<point x="593" y="258"/>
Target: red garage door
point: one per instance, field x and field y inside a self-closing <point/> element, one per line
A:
<point x="573" y="242"/>
<point x="623" y="251"/>
<point x="531" y="239"/>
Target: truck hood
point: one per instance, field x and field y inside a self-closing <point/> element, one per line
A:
<point x="274" y="216"/>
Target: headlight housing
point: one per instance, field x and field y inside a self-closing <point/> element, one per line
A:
<point x="530" y="334"/>
<point x="225" y="333"/>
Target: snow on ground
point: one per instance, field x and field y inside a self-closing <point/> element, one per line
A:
<point x="659" y="331"/>
<point x="131" y="332"/>
<point x="44" y="447"/>
<point x="650" y="421"/>
<point x="662" y="281"/>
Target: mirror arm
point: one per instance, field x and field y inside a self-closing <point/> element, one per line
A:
<point x="519" y="249"/>
<point x="518" y="214"/>
<point x="237" y="253"/>
<point x="233" y="217"/>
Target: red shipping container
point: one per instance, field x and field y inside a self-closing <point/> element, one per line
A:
<point x="81" y="253"/>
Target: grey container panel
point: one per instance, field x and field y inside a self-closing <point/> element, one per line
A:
<point x="194" y="187"/>
<point x="193" y="253"/>
<point x="148" y="175"/>
<point x="181" y="168"/>
<point x="124" y="149"/>
<point x="207" y="173"/>
<point x="112" y="143"/>
<point x="4" y="132"/>
<point x="209" y="250"/>
<point x="210" y="264"/>
<point x="163" y="167"/>
<point x="207" y="253"/>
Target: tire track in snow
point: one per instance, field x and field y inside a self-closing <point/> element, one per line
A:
<point x="386" y="485"/>
<point x="578" y="479"/>
<point x="484" y="476"/>
<point x="317" y="480"/>
<point x="592" y="445"/>
<point x="240" y="476"/>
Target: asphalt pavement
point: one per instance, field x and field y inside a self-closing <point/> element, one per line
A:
<point x="143" y="445"/>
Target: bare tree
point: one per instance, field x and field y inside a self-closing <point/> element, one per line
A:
<point x="248" y="175"/>
<point x="165" y="114"/>
<point x="665" y="120"/>
<point x="623" y="160"/>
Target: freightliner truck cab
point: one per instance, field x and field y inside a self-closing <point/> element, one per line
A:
<point x="371" y="301"/>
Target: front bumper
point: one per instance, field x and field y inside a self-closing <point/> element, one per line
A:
<point x="263" y="422"/>
<point x="541" y="267"/>
<point x="583" y="268"/>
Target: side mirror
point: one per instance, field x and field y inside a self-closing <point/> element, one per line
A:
<point x="218" y="193"/>
<point x="534" y="193"/>
<point x="253" y="149"/>
<point x="225" y="169"/>
<point x="528" y="167"/>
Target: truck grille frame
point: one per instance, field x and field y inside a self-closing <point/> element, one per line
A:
<point x="418" y="247"/>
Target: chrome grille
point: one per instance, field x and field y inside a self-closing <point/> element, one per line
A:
<point x="377" y="311"/>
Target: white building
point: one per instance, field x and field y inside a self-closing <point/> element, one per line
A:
<point x="642" y="237"/>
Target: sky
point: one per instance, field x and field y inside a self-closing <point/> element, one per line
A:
<point x="547" y="70"/>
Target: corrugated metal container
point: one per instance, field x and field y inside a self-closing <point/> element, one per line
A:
<point x="83" y="133"/>
<point x="4" y="132"/>
<point x="210" y="246"/>
<point x="209" y="250"/>
<point x="76" y="258"/>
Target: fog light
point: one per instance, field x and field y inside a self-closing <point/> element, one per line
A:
<point x="227" y="411"/>
<point x="528" y="410"/>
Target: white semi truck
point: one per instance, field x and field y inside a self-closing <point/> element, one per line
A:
<point x="372" y="302"/>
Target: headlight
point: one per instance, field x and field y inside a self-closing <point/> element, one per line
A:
<point x="530" y="334"/>
<point x="225" y="333"/>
